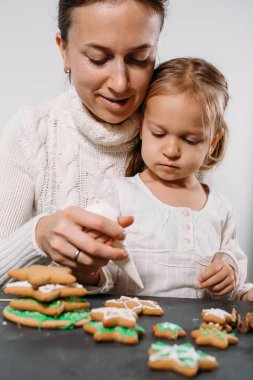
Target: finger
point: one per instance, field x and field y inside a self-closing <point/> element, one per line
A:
<point x="81" y="240"/>
<point x="215" y="279"/>
<point x="210" y="271"/>
<point x="98" y="236"/>
<point x="88" y="261"/>
<point x="68" y="257"/>
<point x="223" y="284"/>
<point x="223" y="292"/>
<point x="86" y="219"/>
<point x="125" y="221"/>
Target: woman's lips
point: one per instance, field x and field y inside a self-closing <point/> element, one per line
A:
<point x="115" y="104"/>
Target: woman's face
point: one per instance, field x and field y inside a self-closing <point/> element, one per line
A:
<point x="111" y="52"/>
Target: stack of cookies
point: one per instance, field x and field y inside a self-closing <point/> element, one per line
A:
<point x="216" y="328"/>
<point x="48" y="297"/>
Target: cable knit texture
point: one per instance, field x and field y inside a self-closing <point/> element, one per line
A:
<point x="52" y="156"/>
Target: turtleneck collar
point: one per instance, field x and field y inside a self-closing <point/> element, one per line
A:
<point x="102" y="133"/>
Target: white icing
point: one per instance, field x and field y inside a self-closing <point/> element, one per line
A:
<point x="115" y="312"/>
<point x="217" y="312"/>
<point x="179" y="353"/>
<point x="140" y="304"/>
<point x="44" y="288"/>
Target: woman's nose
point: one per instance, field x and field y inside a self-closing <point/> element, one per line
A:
<point x="119" y="78"/>
<point x="171" y="148"/>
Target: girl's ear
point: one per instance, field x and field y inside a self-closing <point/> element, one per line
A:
<point x="215" y="141"/>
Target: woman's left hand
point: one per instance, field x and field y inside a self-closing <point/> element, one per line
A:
<point x="219" y="278"/>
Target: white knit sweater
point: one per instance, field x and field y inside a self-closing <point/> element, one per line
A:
<point x="52" y="156"/>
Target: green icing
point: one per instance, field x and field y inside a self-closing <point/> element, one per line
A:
<point x="184" y="353"/>
<point x="71" y="316"/>
<point x="139" y="329"/>
<point x="121" y="330"/>
<point x="167" y="326"/>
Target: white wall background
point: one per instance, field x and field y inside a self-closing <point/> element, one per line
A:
<point x="220" y="31"/>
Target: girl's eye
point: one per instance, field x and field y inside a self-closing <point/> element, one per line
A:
<point x="191" y="142"/>
<point x="158" y="135"/>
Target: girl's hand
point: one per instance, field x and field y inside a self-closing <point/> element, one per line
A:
<point x="60" y="235"/>
<point x="248" y="296"/>
<point x="219" y="278"/>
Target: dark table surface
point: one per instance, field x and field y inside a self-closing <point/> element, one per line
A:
<point x="28" y="353"/>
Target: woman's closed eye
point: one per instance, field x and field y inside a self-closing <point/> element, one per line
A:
<point x="98" y="62"/>
<point x="137" y="61"/>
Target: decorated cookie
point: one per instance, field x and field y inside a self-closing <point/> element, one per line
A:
<point x="45" y="293"/>
<point x="52" y="308"/>
<point x="38" y="275"/>
<point x="113" y="334"/>
<point x="213" y="337"/>
<point x="244" y="325"/>
<point x="183" y="359"/>
<point x="216" y="316"/>
<point x="147" y="307"/>
<point x="168" y="330"/>
<point x="114" y="316"/>
<point x="66" y="320"/>
<point x="210" y="325"/>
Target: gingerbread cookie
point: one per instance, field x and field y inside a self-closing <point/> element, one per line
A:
<point x="168" y="330"/>
<point x="113" y="334"/>
<point x="45" y="293"/>
<point x="216" y="316"/>
<point x="244" y="325"/>
<point x="210" y="325"/>
<point x="213" y="337"/>
<point x="114" y="316"/>
<point x="147" y="307"/>
<point x="38" y="275"/>
<point x="52" y="308"/>
<point x="66" y="320"/>
<point x="183" y="359"/>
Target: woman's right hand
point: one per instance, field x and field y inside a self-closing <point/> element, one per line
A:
<point x="60" y="235"/>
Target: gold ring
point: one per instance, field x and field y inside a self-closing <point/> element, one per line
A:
<point x="77" y="253"/>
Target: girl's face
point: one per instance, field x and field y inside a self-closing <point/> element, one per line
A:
<point x="111" y="53"/>
<point x="174" y="141"/>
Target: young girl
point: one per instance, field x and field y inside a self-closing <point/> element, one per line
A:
<point x="183" y="238"/>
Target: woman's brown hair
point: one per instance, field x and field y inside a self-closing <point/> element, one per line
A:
<point x="65" y="8"/>
<point x="206" y="85"/>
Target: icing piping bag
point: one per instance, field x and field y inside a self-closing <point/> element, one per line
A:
<point x="99" y="205"/>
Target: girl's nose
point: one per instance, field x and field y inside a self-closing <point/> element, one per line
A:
<point x="171" y="147"/>
<point x="119" y="78"/>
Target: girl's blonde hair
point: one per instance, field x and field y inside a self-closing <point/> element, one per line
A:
<point x="205" y="85"/>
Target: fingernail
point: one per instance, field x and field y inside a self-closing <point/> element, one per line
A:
<point x="124" y="235"/>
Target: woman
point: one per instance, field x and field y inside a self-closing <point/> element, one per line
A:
<point x="52" y="156"/>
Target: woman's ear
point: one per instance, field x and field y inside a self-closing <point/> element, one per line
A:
<point x="215" y="140"/>
<point x="62" y="46"/>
